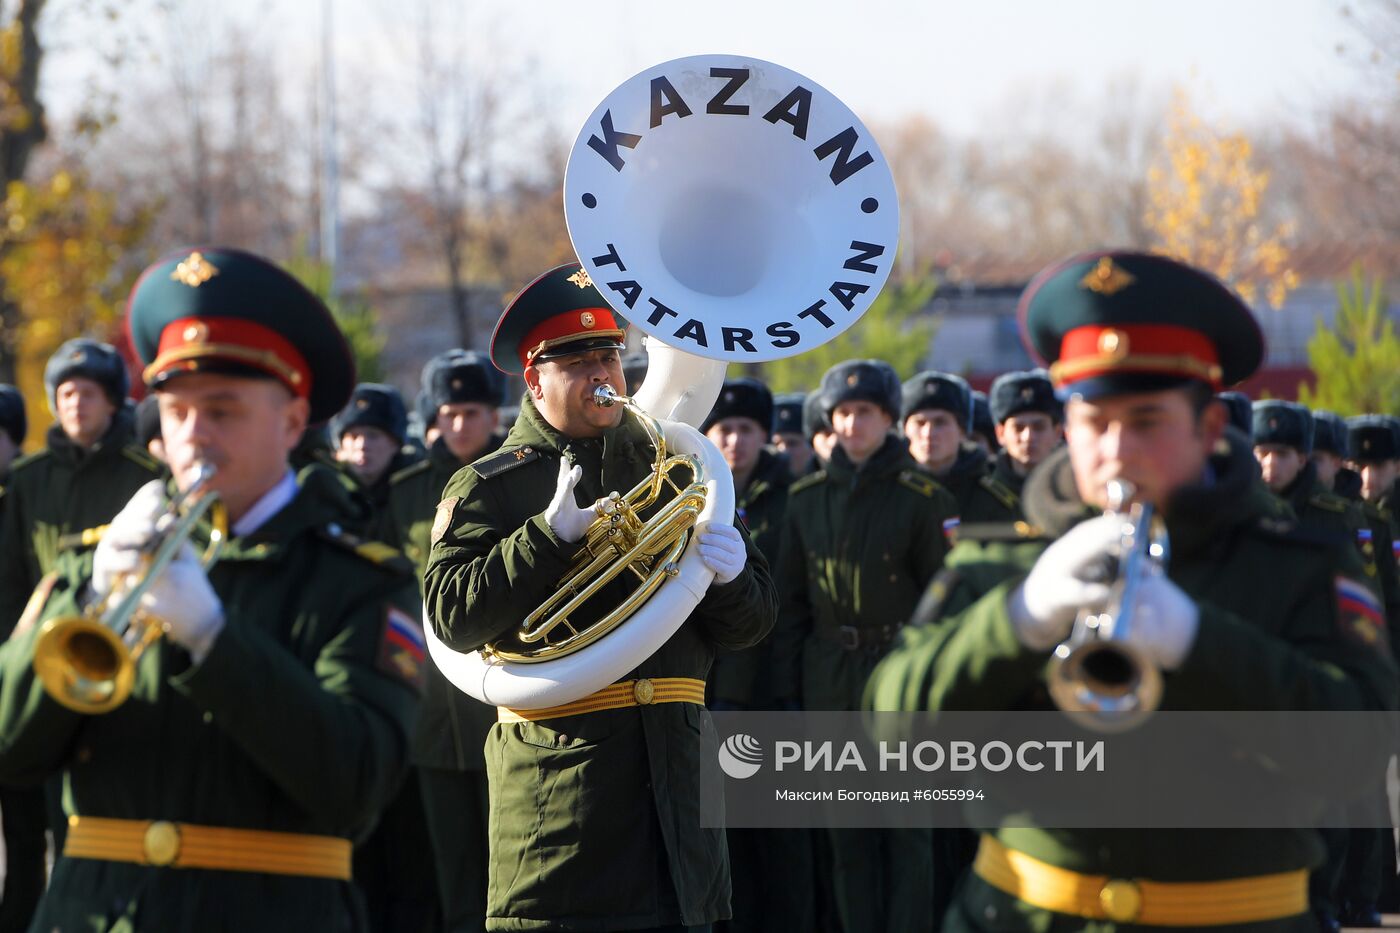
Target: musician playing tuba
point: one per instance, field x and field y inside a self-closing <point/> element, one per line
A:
<point x="595" y="815"/>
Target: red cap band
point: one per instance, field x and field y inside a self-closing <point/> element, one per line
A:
<point x="566" y="327"/>
<point x="1097" y="350"/>
<point x="186" y="341"/>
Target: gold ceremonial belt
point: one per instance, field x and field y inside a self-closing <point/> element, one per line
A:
<point x="1150" y="903"/>
<point x="621" y="695"/>
<point x="185" y="845"/>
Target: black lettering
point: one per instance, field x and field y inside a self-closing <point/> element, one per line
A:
<point x="693" y="330"/>
<point x="607" y="146"/>
<point x="794" y="110"/>
<point x="665" y="100"/>
<point x="846" y="293"/>
<point x="843" y="144"/>
<point x="817" y="312"/>
<point x="783" y="335"/>
<point x="610" y="258"/>
<point x="659" y="314"/>
<point x="737" y="336"/>
<point x="864" y="251"/>
<point x="720" y="102"/>
<point x="629" y="290"/>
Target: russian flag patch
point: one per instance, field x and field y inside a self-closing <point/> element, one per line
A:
<point x="403" y="651"/>
<point x="1359" y="611"/>
<point x="950" y="529"/>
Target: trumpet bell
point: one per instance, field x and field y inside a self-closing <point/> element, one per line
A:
<point x="83" y="664"/>
<point x="1105" y="686"/>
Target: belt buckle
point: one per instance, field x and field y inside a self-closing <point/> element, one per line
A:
<point x="1121" y="900"/>
<point x="850" y="637"/>
<point x="643" y="691"/>
<point x="161" y="844"/>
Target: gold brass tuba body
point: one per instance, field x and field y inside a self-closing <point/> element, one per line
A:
<point x="1097" y="677"/>
<point x="618" y="540"/>
<point x="88" y="662"/>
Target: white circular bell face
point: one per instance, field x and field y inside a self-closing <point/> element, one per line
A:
<point x="731" y="208"/>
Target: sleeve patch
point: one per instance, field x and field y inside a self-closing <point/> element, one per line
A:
<point x="1359" y="611"/>
<point x="442" y="521"/>
<point x="950" y="529"/>
<point x="403" y="651"/>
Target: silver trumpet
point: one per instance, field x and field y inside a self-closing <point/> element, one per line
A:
<point x="1096" y="677"/>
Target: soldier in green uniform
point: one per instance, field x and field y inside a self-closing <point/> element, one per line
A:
<point x="1374" y="447"/>
<point x="1250" y="613"/>
<point x="862" y="539"/>
<point x="936" y="418"/>
<point x="983" y="430"/>
<point x="817" y="427"/>
<point x="1029" y="422"/>
<point x="14" y="424"/>
<point x="464" y="393"/>
<point x="595" y="821"/>
<point x="370" y="435"/>
<point x="271" y="723"/>
<point x="789" y="439"/>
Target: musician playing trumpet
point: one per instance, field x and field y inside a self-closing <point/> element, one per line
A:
<point x="595" y="821"/>
<point x="1248" y="614"/>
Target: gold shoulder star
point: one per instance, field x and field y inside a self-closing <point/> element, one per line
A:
<point x="1106" y="278"/>
<point x="580" y="278"/>
<point x="194" y="271"/>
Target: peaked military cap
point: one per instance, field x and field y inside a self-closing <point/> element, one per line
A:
<point x="1113" y="323"/>
<point x="1241" y="411"/>
<point x="13" y="420"/>
<point x="1014" y="393"/>
<point x="1329" y="432"/>
<point x="559" y="313"/>
<point x="872" y="381"/>
<point x="89" y="359"/>
<point x="814" y="417"/>
<point x="634" y="370"/>
<point x="462" y="376"/>
<point x="1286" y="423"/>
<point x="222" y="310"/>
<point x="742" y="398"/>
<point x="982" y="420"/>
<point x="937" y="390"/>
<point x="373" y="405"/>
<point x="1371" y="438"/>
<point x="787" y="413"/>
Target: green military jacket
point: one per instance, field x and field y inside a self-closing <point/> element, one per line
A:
<point x="56" y="494"/>
<point x="452" y="726"/>
<point x="1271" y="637"/>
<point x="859" y="547"/>
<point x="741" y="678"/>
<point x="595" y="818"/>
<point x="981" y="497"/>
<point x="296" y="721"/>
<point x="1317" y="507"/>
<point x="1004" y="472"/>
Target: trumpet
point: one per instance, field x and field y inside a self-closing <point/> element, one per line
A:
<point x="1096" y="676"/>
<point x="618" y="540"/>
<point x="88" y="662"/>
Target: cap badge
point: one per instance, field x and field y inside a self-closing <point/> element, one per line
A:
<point x="456" y="383"/>
<point x="581" y="279"/>
<point x="196" y="333"/>
<point x="194" y="270"/>
<point x="1114" y="343"/>
<point x="852" y="379"/>
<point x="586" y="319"/>
<point x="1106" y="278"/>
<point x="362" y="403"/>
<point x="1273" y="423"/>
<point x="1027" y="394"/>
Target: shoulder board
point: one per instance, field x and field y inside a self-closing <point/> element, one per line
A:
<point x="1001" y="531"/>
<point x="22" y="462"/>
<point x="999" y="489"/>
<point x="918" y="481"/>
<point x="506" y="459"/>
<point x="88" y="537"/>
<point x="807" y="482"/>
<point x="1286" y="529"/>
<point x="422" y="466"/>
<point x="141" y="457"/>
<point x="376" y="552"/>
<point x="1328" y="501"/>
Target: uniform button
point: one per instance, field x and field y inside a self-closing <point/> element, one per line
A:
<point x="894" y="579"/>
<point x="84" y="755"/>
<point x="208" y="719"/>
<point x="563" y="738"/>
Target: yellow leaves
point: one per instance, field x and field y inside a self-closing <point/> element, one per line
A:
<point x="1205" y="201"/>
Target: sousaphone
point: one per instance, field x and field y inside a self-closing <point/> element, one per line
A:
<point x="734" y="211"/>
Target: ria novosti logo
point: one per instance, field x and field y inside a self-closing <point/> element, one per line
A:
<point x="740" y="756"/>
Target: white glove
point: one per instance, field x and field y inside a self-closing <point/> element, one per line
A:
<point x="1165" y="621"/>
<point x="722" y="550"/>
<point x="181" y="597"/>
<point x="564" y="517"/>
<point x="1062" y="582"/>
